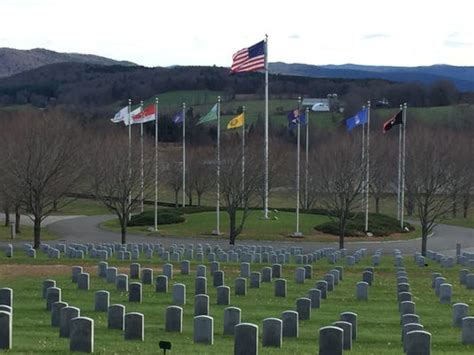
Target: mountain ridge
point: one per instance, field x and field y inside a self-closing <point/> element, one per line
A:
<point x="14" y="61"/>
<point x="461" y="76"/>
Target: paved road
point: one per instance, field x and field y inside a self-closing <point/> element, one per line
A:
<point x="86" y="229"/>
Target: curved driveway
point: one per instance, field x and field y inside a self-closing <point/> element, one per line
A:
<point x="86" y="230"/>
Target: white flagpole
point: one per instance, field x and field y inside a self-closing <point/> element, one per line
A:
<point x="142" y="181"/>
<point x="184" y="154"/>
<point x="367" y="182"/>
<point x="129" y="153"/>
<point x="298" y="233"/>
<point x="362" y="206"/>
<point x="156" y="164"/>
<point x="217" y="231"/>
<point x="266" y="130"/>
<point x="243" y="156"/>
<point x="307" y="162"/>
<point x="399" y="196"/>
<point x="402" y="201"/>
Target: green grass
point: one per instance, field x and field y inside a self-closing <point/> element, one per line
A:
<point x="255" y="228"/>
<point x="26" y="234"/>
<point x="82" y="206"/>
<point x="378" y="319"/>
<point x="462" y="222"/>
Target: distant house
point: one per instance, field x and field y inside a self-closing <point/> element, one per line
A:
<point x="382" y="103"/>
<point x="321" y="104"/>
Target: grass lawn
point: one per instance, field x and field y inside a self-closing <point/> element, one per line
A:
<point x="82" y="206"/>
<point x="462" y="222"/>
<point x="26" y="234"/>
<point x="378" y="319"/>
<point x="255" y="228"/>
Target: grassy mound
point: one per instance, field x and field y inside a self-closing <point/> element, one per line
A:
<point x="165" y="216"/>
<point x="379" y="224"/>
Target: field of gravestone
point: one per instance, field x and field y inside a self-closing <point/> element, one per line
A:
<point x="378" y="318"/>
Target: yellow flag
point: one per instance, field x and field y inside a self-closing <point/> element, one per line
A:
<point x="236" y="122"/>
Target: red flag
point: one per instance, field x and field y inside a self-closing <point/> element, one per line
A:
<point x="147" y="115"/>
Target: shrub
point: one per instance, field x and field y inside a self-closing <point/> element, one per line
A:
<point x="380" y="225"/>
<point x="165" y="216"/>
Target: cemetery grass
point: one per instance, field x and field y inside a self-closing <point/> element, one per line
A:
<point x="378" y="318"/>
<point x="255" y="228"/>
<point x="278" y="199"/>
<point x="26" y="234"/>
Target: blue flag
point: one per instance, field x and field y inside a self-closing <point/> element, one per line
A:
<point x="359" y="118"/>
<point x="178" y="117"/>
<point x="294" y="117"/>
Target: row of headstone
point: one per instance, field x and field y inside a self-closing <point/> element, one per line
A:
<point x="441" y="287"/>
<point x="79" y="330"/>
<point x="354" y="259"/>
<point x="6" y="318"/>
<point x="376" y="257"/>
<point x="336" y="338"/>
<point x="466" y="278"/>
<point x="443" y="260"/>
<point x="362" y="287"/>
<point x="415" y="340"/>
<point x="200" y="253"/>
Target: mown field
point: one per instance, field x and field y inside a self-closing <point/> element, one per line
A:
<point x="201" y="102"/>
<point x="378" y="319"/>
<point x="279" y="227"/>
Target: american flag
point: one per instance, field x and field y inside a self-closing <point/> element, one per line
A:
<point x="249" y="59"/>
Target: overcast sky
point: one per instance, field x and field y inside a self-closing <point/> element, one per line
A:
<point x="205" y="32"/>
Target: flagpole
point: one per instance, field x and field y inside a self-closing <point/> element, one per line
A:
<point x="298" y="123"/>
<point x="363" y="162"/>
<point x="142" y="182"/>
<point x="156" y="164"/>
<point x="217" y="231"/>
<point x="399" y="196"/>
<point x="402" y="202"/>
<point x="367" y="183"/>
<point x="243" y="155"/>
<point x="307" y="162"/>
<point x="266" y="130"/>
<point x="184" y="154"/>
<point x="129" y="154"/>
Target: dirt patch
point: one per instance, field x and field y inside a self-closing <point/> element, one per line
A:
<point x="8" y="271"/>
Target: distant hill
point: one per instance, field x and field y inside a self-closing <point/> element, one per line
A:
<point x="97" y="86"/>
<point x="462" y="77"/>
<point x="13" y="61"/>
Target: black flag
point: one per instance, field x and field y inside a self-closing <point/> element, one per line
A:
<point x="396" y="119"/>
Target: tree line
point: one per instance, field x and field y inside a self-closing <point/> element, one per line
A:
<point x="97" y="90"/>
<point x="47" y="155"/>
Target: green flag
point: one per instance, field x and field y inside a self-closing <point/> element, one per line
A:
<point x="211" y="116"/>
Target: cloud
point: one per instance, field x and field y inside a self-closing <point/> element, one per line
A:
<point x="456" y="44"/>
<point x="375" y="36"/>
<point x="456" y="40"/>
<point x="294" y="36"/>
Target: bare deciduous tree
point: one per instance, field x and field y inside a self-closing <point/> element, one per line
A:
<point x="114" y="181"/>
<point x="430" y="170"/>
<point x="232" y="193"/>
<point x="340" y="179"/>
<point x="42" y="162"/>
